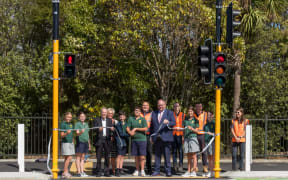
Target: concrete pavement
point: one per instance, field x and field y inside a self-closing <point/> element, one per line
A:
<point x="261" y="169"/>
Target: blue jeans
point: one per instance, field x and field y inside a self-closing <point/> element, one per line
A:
<point x="177" y="147"/>
<point x="235" y="146"/>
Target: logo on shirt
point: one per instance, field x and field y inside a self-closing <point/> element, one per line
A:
<point x="139" y="121"/>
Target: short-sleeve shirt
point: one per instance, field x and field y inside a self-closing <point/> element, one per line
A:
<point x="84" y="137"/>
<point x="139" y="123"/>
<point x="209" y="127"/>
<point x="194" y="124"/>
<point x="69" y="137"/>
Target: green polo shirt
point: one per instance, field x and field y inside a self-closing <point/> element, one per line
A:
<point x="209" y="127"/>
<point x="194" y="124"/>
<point x="69" y="137"/>
<point x="139" y="123"/>
<point x="84" y="137"/>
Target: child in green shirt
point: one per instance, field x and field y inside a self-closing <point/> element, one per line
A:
<point x="67" y="144"/>
<point x="136" y="128"/>
<point x="209" y="128"/>
<point x="191" y="145"/>
<point x="82" y="143"/>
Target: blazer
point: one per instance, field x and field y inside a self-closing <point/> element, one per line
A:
<point x="99" y="135"/>
<point x="165" y="133"/>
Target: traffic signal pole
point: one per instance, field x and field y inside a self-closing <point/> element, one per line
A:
<point x="217" y="168"/>
<point x="55" y="87"/>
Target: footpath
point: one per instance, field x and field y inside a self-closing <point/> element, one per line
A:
<point x="260" y="169"/>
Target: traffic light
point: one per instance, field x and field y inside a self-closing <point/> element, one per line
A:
<point x="69" y="66"/>
<point x="220" y="68"/>
<point x="205" y="54"/>
<point x="231" y="25"/>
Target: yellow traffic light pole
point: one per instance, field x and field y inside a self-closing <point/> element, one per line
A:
<point x="55" y="87"/>
<point x="217" y="168"/>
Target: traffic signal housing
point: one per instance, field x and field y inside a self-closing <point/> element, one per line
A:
<point x="232" y="24"/>
<point x="205" y="55"/>
<point x="69" y="66"/>
<point x="219" y="69"/>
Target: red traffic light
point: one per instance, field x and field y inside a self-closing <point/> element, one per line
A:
<point x="220" y="59"/>
<point x="70" y="60"/>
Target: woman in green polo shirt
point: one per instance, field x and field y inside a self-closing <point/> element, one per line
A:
<point x="67" y="144"/>
<point x="82" y="143"/>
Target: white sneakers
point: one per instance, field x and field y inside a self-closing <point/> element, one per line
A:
<point x="193" y="174"/>
<point x="188" y="174"/>
<point x="84" y="174"/>
<point x="137" y="173"/>
<point x="208" y="174"/>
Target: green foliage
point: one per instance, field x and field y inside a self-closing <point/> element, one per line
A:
<point x="130" y="51"/>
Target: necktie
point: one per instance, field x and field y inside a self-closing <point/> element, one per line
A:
<point x="160" y="116"/>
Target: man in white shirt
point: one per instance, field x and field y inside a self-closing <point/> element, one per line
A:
<point x="103" y="141"/>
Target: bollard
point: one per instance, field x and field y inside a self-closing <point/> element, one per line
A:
<point x="248" y="148"/>
<point x="21" y="148"/>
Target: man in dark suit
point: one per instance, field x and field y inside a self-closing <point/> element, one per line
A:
<point x="103" y="141"/>
<point x="162" y="136"/>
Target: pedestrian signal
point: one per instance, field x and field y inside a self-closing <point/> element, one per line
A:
<point x="69" y="66"/>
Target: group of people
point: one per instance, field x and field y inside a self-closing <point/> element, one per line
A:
<point x="165" y="130"/>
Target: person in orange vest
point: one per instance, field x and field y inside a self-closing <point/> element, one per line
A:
<point x="238" y="138"/>
<point x="146" y="113"/>
<point x="178" y="135"/>
<point x="201" y="116"/>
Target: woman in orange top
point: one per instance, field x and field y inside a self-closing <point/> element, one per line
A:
<point x="238" y="140"/>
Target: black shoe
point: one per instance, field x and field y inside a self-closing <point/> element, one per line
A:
<point x="169" y="174"/>
<point x="107" y="175"/>
<point x="98" y="174"/>
<point x="117" y="172"/>
<point x="122" y="171"/>
<point x="149" y="172"/>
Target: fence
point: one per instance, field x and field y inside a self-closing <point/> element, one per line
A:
<point x="269" y="136"/>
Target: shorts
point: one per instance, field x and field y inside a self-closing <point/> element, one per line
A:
<point x="211" y="149"/>
<point x="191" y="145"/>
<point x="139" y="148"/>
<point x="121" y="151"/>
<point x="82" y="147"/>
<point x="68" y="149"/>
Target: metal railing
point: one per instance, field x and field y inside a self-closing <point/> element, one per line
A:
<point x="270" y="136"/>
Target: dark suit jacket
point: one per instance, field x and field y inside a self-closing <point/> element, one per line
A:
<point x="166" y="134"/>
<point x="99" y="135"/>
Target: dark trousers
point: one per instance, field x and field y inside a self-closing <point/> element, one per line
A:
<point x="105" y="147"/>
<point x="177" y="148"/>
<point x="201" y="140"/>
<point x="165" y="148"/>
<point x="235" y="146"/>
<point x="149" y="154"/>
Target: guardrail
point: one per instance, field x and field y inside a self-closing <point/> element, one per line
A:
<point x="270" y="136"/>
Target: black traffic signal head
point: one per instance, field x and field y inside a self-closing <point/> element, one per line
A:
<point x="231" y="33"/>
<point x="219" y="69"/>
<point x="205" y="54"/>
<point x="69" y="65"/>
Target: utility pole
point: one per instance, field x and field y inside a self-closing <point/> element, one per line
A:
<point x="217" y="168"/>
<point x="55" y="86"/>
